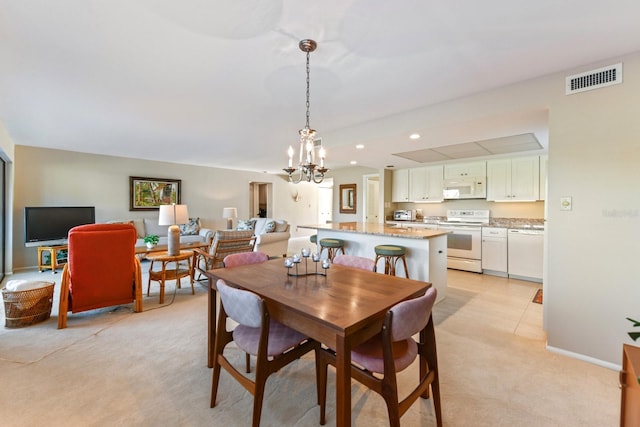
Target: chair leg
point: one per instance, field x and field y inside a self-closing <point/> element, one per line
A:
<point x="248" y="363"/>
<point x="404" y="262"/>
<point x="258" y="395"/>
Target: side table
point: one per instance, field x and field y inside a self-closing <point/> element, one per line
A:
<point x="53" y="263"/>
<point x="176" y="273"/>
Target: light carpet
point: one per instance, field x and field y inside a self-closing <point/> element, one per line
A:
<point x="115" y="367"/>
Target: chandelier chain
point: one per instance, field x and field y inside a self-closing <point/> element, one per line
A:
<point x="308" y="103"/>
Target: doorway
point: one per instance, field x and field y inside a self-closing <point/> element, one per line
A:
<point x="371" y="198"/>
<point x="325" y="201"/>
<point x="260" y="199"/>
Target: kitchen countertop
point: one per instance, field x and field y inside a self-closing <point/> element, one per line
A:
<point x="378" y="229"/>
<point x="519" y="223"/>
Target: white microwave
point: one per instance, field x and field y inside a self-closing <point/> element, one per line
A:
<point x="465" y="188"/>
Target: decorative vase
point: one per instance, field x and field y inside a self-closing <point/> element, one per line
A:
<point x="150" y="245"/>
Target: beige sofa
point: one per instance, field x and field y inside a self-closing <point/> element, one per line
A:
<point x="274" y="243"/>
<point x="191" y="232"/>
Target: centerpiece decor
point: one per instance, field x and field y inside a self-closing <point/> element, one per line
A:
<point x="305" y="253"/>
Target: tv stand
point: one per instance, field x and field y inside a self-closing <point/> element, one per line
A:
<point x="54" y="263"/>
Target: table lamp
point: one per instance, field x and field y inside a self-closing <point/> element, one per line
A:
<point x="229" y="214"/>
<point x="172" y="215"/>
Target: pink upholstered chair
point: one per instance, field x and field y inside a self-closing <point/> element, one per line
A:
<point x="392" y="351"/>
<point x="274" y="344"/>
<point x="355" y="262"/>
<point x="102" y="270"/>
<point x="244" y="258"/>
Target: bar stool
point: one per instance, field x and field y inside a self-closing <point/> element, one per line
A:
<point x="314" y="238"/>
<point x="332" y="246"/>
<point x="392" y="254"/>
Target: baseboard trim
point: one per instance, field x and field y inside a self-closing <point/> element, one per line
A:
<point x="584" y="358"/>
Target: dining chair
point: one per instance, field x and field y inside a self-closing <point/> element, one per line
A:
<point x="274" y="344"/>
<point x="389" y="352"/>
<point x="245" y="258"/>
<point x="355" y="262"/>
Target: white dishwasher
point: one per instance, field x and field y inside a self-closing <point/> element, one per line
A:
<point x="525" y="254"/>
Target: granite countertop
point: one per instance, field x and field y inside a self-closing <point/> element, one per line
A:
<point x="520" y="223"/>
<point x="378" y="229"/>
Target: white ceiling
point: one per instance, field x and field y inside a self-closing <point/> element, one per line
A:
<point x="222" y="83"/>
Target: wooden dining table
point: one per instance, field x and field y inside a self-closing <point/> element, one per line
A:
<point x="342" y="309"/>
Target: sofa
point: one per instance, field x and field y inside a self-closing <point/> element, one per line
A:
<point x="190" y="232"/>
<point x="272" y="235"/>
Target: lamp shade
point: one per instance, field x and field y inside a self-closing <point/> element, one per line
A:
<point x="229" y="213"/>
<point x="173" y="214"/>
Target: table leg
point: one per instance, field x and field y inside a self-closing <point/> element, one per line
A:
<point x="211" y="322"/>
<point x="163" y="277"/>
<point x="343" y="382"/>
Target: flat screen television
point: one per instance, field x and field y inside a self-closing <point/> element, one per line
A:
<point x="49" y="225"/>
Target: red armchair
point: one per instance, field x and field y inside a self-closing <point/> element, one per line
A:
<point x="102" y="270"/>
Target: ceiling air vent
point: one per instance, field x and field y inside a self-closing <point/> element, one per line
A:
<point x="594" y="79"/>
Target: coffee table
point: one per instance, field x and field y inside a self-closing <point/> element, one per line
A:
<point x="143" y="250"/>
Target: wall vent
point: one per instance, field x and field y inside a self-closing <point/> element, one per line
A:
<point x="594" y="79"/>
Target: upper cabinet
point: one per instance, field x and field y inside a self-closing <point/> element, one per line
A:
<point x="400" y="186"/>
<point x="425" y="184"/>
<point x="457" y="170"/>
<point x="516" y="179"/>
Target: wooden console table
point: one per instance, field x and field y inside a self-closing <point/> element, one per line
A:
<point x="53" y="264"/>
<point x="165" y="273"/>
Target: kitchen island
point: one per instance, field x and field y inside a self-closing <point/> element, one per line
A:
<point x="426" y="249"/>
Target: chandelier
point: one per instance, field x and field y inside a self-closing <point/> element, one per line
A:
<point x="307" y="167"/>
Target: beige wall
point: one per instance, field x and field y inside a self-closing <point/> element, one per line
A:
<point x="62" y="178"/>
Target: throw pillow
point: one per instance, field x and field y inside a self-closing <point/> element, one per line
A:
<point x="269" y="227"/>
<point x="190" y="228"/>
<point x="246" y="224"/>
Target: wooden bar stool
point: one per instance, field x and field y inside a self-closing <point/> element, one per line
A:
<point x="392" y="254"/>
<point x="332" y="246"/>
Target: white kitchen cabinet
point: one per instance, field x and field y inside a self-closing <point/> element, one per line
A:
<point x="469" y="169"/>
<point x="512" y="180"/>
<point x="425" y="184"/>
<point x="543" y="177"/>
<point x="494" y="251"/>
<point x="400" y="185"/>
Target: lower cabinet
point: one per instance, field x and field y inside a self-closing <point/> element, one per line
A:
<point x="494" y="251"/>
<point x="630" y="400"/>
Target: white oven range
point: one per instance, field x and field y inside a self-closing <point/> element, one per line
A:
<point x="464" y="241"/>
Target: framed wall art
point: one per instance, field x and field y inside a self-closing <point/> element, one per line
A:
<point x="147" y="194"/>
<point x="348" y="198"/>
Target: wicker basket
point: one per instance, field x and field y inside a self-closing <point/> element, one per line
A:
<point x="24" y="308"/>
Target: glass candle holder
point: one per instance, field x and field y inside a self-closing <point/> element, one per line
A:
<point x="296" y="258"/>
<point x="305" y="252"/>
<point x="315" y="257"/>
<point x="326" y="263"/>
<point x="288" y="262"/>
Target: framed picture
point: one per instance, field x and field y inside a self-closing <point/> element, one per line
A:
<point x="147" y="194"/>
<point x="348" y="198"/>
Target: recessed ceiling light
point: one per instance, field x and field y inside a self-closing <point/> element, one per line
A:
<point x="353" y="162"/>
<point x="360" y="146"/>
<point x="414" y="136"/>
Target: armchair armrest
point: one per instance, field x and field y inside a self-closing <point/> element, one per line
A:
<point x="207" y="234"/>
<point x="264" y="239"/>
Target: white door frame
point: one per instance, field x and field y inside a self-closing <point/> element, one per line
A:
<point x="365" y="195"/>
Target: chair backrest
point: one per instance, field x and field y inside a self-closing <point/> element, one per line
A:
<point x="244" y="258"/>
<point x="355" y="261"/>
<point x="242" y="306"/>
<point x="411" y="316"/>
<point x="101" y="264"/>
<point x="226" y="242"/>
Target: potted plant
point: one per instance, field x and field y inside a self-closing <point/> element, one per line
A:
<point x="151" y="240"/>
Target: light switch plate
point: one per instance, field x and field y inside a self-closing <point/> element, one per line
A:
<point x="565" y="203"/>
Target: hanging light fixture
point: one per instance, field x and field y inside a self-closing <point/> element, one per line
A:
<point x="307" y="167"/>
